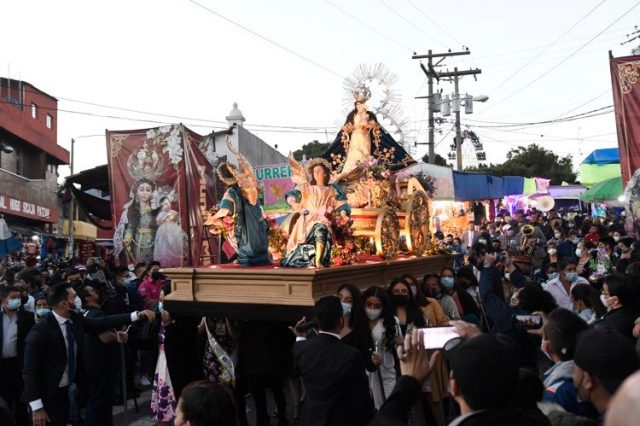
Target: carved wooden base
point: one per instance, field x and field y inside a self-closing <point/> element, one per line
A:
<point x="273" y="293"/>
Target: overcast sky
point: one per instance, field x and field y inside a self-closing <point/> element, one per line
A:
<point x="174" y="57"/>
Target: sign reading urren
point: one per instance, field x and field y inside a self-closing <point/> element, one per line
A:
<point x="275" y="180"/>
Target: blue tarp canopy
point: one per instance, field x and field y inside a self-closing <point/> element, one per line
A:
<point x="603" y="156"/>
<point x="512" y="185"/>
<point x="481" y="186"/>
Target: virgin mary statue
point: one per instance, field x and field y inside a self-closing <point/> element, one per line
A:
<point x="361" y="138"/>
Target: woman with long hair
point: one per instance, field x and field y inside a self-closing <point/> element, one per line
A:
<point x="433" y="288"/>
<point x="406" y="310"/>
<point x="356" y="331"/>
<point x="386" y="334"/>
<point x="586" y="303"/>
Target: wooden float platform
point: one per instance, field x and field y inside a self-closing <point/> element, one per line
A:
<point x="272" y="293"/>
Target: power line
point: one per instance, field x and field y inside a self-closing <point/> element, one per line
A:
<point x="411" y="23"/>
<point x="585" y="103"/>
<point x="588" y="114"/>
<point x="268" y="40"/>
<point x="564" y="60"/>
<point x="364" y="24"/>
<point x="506" y="80"/>
<point x="435" y="23"/>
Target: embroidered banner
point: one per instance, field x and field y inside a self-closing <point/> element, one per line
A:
<point x="160" y="185"/>
<point x="625" y="76"/>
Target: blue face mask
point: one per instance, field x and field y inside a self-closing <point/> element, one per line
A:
<point x="346" y="308"/>
<point x="42" y="312"/>
<point x="571" y="276"/>
<point x="14" y="304"/>
<point x="447" y="282"/>
<point x="553" y="276"/>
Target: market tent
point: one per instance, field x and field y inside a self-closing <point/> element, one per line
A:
<point x="608" y="190"/>
<point x="600" y="165"/>
<point x="512" y="185"/>
<point x="477" y="186"/>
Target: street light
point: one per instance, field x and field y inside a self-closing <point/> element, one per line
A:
<point x="72" y="207"/>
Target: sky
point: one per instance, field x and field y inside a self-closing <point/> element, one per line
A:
<point x="284" y="63"/>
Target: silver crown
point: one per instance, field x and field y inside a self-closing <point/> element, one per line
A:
<point x="145" y="163"/>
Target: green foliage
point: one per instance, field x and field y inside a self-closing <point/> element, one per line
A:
<point x="533" y="161"/>
<point x="438" y="160"/>
<point x="312" y="149"/>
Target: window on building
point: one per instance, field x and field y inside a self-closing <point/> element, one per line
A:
<point x="49" y="121"/>
<point x="34" y="110"/>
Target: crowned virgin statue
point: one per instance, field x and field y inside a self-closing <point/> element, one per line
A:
<point x="362" y="138"/>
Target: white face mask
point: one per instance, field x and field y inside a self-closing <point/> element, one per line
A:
<point x="373" y="314"/>
<point x="557" y="235"/>
<point x="605" y="301"/>
<point x="552" y="251"/>
<point x="579" y="252"/>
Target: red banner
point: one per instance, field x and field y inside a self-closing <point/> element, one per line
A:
<point x="625" y="77"/>
<point x="161" y="185"/>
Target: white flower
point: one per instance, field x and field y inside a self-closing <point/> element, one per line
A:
<point x="165" y="129"/>
<point x="151" y="133"/>
<point x="174" y="147"/>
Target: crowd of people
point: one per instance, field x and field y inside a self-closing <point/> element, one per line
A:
<point x="547" y="310"/>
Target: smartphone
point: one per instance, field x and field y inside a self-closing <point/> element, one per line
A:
<point x="437" y="337"/>
<point x="530" y="322"/>
<point x="304" y="327"/>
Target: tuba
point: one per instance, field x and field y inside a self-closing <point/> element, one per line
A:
<point x="528" y="230"/>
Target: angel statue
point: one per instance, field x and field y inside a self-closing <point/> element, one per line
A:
<point x="310" y="239"/>
<point x="361" y="138"/>
<point x="241" y="202"/>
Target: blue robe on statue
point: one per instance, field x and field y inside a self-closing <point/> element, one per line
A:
<point x="383" y="147"/>
<point x="251" y="228"/>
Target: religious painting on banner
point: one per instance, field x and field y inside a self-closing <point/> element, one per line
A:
<point x="161" y="186"/>
<point x="625" y="77"/>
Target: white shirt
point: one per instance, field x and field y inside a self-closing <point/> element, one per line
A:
<point x="64" y="381"/>
<point x="30" y="305"/>
<point x="337" y="336"/>
<point x="9" y="335"/>
<point x="563" y="299"/>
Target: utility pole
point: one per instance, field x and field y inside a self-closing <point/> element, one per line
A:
<point x="72" y="207"/>
<point x="431" y="73"/>
<point x="456" y="97"/>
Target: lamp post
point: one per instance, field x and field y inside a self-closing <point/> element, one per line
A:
<point x="72" y="207"/>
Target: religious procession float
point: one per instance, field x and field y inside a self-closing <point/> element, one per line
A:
<point x="351" y="217"/>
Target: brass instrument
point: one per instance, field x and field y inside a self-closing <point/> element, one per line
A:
<point x="528" y="230"/>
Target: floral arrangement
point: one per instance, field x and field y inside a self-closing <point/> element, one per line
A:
<point x="170" y="138"/>
<point x="345" y="250"/>
<point x="375" y="169"/>
<point x="222" y="225"/>
<point x="277" y="240"/>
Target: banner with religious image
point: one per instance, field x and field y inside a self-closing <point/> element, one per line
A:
<point x="161" y="186"/>
<point x="625" y="77"/>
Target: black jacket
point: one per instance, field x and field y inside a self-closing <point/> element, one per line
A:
<point x="45" y="357"/>
<point x="395" y="410"/>
<point x="506" y="417"/>
<point x="621" y="320"/>
<point x="336" y="386"/>
<point x="25" y="322"/>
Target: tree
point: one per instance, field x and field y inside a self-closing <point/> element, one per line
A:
<point x="438" y="160"/>
<point x="312" y="149"/>
<point x="533" y="161"/>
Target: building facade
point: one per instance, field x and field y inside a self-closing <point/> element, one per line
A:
<point x="29" y="158"/>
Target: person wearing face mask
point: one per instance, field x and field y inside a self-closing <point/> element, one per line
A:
<point x="54" y="354"/>
<point x="551" y="255"/>
<point x="508" y="241"/>
<point x="603" y="359"/>
<point x="587" y="303"/>
<point x="42" y="308"/>
<point x="15" y="324"/>
<point x="619" y="297"/>
<point x="559" y="337"/>
<point x="385" y="331"/>
<point x="435" y="289"/>
<point x="560" y="287"/>
<point x="150" y="288"/>
<point x="102" y="361"/>
<point x="355" y="332"/>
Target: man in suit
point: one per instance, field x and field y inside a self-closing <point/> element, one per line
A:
<point x="15" y="325"/>
<point x="333" y="373"/>
<point x="53" y="353"/>
<point x="470" y="237"/>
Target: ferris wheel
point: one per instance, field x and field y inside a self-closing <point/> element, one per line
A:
<point x="376" y="83"/>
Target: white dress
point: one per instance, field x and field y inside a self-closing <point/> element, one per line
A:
<point x="359" y="145"/>
<point x="386" y="370"/>
<point x="170" y="240"/>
